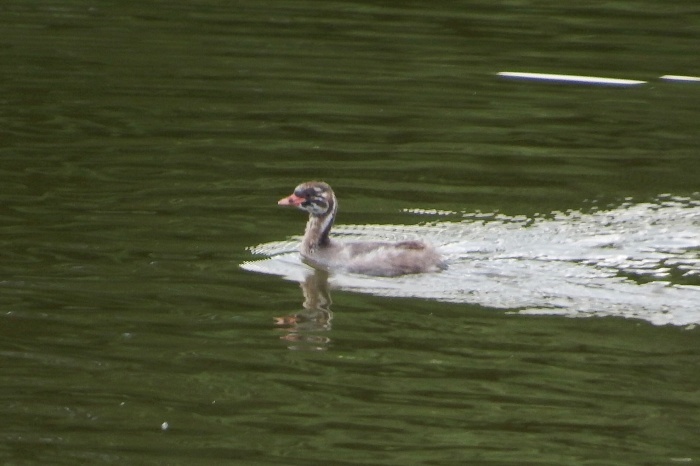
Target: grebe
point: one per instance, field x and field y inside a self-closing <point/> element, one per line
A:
<point x="369" y="258"/>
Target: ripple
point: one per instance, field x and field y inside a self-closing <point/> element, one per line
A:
<point x="637" y="261"/>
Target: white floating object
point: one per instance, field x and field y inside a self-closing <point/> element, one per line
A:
<point x="571" y="78"/>
<point x="673" y="77"/>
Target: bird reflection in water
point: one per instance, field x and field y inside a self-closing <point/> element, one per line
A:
<point x="302" y="329"/>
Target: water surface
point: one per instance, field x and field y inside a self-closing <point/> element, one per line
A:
<point x="143" y="148"/>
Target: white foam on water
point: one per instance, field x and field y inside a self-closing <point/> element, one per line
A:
<point x="638" y="260"/>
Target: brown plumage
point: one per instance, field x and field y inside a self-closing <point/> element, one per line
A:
<point x="370" y="258"/>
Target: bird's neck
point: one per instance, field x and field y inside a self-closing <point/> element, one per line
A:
<point x="318" y="229"/>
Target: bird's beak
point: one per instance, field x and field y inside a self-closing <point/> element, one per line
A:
<point x="293" y="200"/>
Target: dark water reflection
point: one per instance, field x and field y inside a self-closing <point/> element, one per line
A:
<point x="305" y="329"/>
<point x="142" y="148"/>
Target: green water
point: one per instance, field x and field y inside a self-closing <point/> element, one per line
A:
<point x="143" y="147"/>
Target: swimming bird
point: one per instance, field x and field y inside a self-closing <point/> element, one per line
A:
<point x="370" y="258"/>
